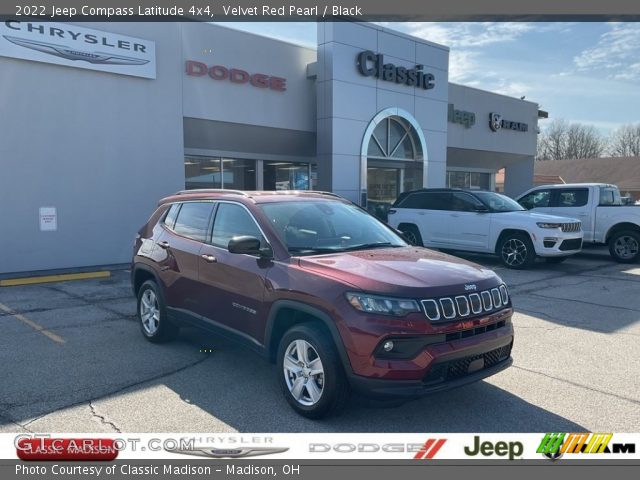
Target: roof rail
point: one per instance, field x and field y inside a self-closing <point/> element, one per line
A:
<point x="324" y="193"/>
<point x="212" y="190"/>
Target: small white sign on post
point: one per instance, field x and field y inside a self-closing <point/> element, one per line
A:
<point x="48" y="219"/>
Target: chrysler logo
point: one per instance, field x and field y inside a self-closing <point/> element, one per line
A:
<point x="73" y="54"/>
<point x="228" y="452"/>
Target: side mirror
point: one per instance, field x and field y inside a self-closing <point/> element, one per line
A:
<point x="248" y="245"/>
<point x="480" y="209"/>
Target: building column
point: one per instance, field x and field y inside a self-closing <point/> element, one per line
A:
<point x="518" y="177"/>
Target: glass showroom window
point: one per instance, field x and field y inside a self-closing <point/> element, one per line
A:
<point x="214" y="172"/>
<point x="202" y="172"/>
<point x="471" y="180"/>
<point x="286" y="176"/>
<point x="239" y="174"/>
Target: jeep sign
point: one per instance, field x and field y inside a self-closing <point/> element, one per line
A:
<point x="468" y="119"/>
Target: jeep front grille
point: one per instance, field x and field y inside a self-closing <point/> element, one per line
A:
<point x="467" y="305"/>
<point x="571" y="227"/>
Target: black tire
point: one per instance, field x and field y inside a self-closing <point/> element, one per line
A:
<point x="516" y="251"/>
<point x="624" y="246"/>
<point x="332" y="383"/>
<point x="165" y="331"/>
<point x="556" y="259"/>
<point x="412" y="235"/>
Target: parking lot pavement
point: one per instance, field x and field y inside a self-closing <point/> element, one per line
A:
<point x="73" y="360"/>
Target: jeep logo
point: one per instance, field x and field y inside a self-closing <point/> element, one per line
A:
<point x="470" y="286"/>
<point x="501" y="449"/>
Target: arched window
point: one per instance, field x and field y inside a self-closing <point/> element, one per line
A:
<point x="394" y="138"/>
<point x="393" y="155"/>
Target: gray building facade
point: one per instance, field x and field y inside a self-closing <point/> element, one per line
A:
<point x="100" y="120"/>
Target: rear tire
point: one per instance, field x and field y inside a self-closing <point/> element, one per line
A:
<point x="152" y="314"/>
<point x="412" y="235"/>
<point x="310" y="372"/>
<point x="516" y="251"/>
<point x="624" y="246"/>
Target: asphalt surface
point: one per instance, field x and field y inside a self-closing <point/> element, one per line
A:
<point x="72" y="359"/>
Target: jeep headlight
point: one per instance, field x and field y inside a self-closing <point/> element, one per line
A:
<point x="548" y="225"/>
<point x="398" y="307"/>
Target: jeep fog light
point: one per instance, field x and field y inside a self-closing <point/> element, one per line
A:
<point x="388" y="346"/>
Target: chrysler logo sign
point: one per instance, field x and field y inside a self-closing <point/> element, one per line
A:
<point x="228" y="452"/>
<point x="74" y="46"/>
<point x="69" y="54"/>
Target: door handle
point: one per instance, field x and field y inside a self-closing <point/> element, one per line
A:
<point x="163" y="245"/>
<point x="455" y="215"/>
<point x="209" y="258"/>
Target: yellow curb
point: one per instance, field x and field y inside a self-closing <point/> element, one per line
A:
<point x="63" y="277"/>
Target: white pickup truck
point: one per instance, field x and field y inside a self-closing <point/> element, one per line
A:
<point x="487" y="222"/>
<point x="605" y="220"/>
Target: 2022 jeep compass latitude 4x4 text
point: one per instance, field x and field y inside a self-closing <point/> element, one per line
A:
<point x="337" y="299"/>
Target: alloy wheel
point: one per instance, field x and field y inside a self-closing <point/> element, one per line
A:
<point x="514" y="252"/>
<point x="626" y="247"/>
<point x="303" y="372"/>
<point x="149" y="312"/>
<point x="410" y="236"/>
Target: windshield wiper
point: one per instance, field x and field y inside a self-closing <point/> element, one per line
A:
<point x="311" y="250"/>
<point x="367" y="246"/>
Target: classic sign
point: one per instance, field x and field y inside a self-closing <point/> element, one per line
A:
<point x="371" y="64"/>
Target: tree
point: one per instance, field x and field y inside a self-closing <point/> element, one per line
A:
<point x="562" y="140"/>
<point x="625" y="141"/>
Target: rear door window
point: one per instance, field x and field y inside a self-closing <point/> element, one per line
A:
<point x="193" y="220"/>
<point x="427" y="201"/>
<point x="571" y="197"/>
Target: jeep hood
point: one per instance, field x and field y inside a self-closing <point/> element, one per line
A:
<point x="403" y="271"/>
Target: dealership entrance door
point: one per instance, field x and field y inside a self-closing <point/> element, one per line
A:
<point x="394" y="163"/>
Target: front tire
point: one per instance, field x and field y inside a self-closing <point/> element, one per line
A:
<point x="310" y="372"/>
<point x="624" y="246"/>
<point x="516" y="251"/>
<point x="152" y="314"/>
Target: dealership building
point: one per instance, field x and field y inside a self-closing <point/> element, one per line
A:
<point x="100" y="120"/>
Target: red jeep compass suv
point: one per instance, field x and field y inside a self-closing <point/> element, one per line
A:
<point x="317" y="285"/>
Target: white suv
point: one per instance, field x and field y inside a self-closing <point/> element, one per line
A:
<point x="488" y="222"/>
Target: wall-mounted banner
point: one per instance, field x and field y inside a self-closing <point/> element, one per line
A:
<point x="73" y="46"/>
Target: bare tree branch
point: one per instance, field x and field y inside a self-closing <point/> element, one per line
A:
<point x="625" y="141"/>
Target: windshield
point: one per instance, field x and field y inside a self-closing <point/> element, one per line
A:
<point x="308" y="227"/>
<point x="498" y="202"/>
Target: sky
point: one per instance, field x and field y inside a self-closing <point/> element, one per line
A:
<point x="579" y="72"/>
